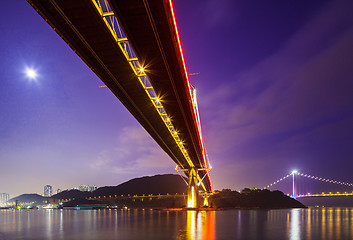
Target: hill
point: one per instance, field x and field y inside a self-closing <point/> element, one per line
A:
<point x="253" y="198"/>
<point x="28" y="198"/>
<point x="71" y="194"/>
<point x="158" y="184"/>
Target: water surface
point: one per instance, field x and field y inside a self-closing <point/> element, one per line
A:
<point x="312" y="223"/>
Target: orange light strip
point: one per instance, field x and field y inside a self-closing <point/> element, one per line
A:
<point x="325" y="195"/>
<point x="188" y="82"/>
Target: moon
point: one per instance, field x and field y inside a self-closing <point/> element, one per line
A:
<point x="31" y="73"/>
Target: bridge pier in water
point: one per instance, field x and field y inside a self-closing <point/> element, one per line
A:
<point x="193" y="191"/>
<point x="205" y="200"/>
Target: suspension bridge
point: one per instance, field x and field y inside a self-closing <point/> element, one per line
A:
<point x="133" y="46"/>
<point x="298" y="191"/>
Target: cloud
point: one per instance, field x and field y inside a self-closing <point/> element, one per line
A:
<point x="102" y="160"/>
<point x="216" y="13"/>
<point x="305" y="85"/>
<point x="135" y="151"/>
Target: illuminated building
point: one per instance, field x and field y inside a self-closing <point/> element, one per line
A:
<point x="4" y="197"/>
<point x="48" y="190"/>
<point x="87" y="188"/>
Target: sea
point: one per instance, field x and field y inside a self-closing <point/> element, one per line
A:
<point x="308" y="223"/>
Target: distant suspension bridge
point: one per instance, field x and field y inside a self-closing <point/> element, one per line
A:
<point x="295" y="174"/>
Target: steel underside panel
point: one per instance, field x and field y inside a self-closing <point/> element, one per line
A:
<point x="92" y="41"/>
<point x="150" y="30"/>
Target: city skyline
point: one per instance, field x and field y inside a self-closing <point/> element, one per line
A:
<point x="274" y="94"/>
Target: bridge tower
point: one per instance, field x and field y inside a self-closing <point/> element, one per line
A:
<point x="193" y="191"/>
<point x="294" y="190"/>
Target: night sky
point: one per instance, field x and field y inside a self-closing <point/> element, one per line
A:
<point x="275" y="93"/>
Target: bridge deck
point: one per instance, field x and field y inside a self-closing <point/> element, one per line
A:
<point x="150" y="28"/>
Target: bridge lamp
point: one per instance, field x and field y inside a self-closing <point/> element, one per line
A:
<point x="294" y="172"/>
<point x="141" y="69"/>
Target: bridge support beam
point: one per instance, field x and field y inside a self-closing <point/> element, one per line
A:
<point x="205" y="201"/>
<point x="192" y="189"/>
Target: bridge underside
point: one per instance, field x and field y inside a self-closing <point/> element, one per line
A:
<point x="149" y="26"/>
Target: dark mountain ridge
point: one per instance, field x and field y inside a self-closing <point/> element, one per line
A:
<point x="28" y="198"/>
<point x="70" y="194"/>
<point x="158" y="184"/>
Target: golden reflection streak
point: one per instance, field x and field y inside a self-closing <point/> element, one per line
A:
<point x="338" y="223"/>
<point x="167" y="221"/>
<point x="135" y="219"/>
<point x="143" y="218"/>
<point x="200" y="225"/>
<point x="351" y="221"/>
<point x="346" y="216"/>
<point x="191" y="225"/>
<point x="317" y="221"/>
<point x="209" y="229"/>
<point x="323" y="223"/>
<point x="330" y="224"/>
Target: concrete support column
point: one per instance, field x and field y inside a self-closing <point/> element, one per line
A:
<point x="192" y="189"/>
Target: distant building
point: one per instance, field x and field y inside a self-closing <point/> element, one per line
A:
<point x="48" y="190"/>
<point x="87" y="188"/>
<point x="4" y="197"/>
<point x="58" y="191"/>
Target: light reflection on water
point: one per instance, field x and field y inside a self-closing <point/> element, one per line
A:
<point x="294" y="232"/>
<point x="311" y="223"/>
<point x="200" y="225"/>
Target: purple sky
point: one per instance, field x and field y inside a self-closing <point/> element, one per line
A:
<point x="275" y="93"/>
